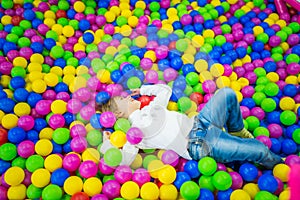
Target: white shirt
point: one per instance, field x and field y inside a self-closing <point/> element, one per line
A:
<point x="162" y="129"/>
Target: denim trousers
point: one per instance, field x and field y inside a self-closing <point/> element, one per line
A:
<point x="209" y="135"/>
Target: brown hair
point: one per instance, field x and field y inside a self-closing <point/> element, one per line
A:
<point x="111" y="105"/>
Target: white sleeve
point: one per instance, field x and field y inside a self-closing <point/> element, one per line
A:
<point x="105" y="146"/>
<point x="129" y="153"/>
<point x="161" y="91"/>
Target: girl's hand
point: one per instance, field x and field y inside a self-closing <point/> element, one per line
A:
<point x="106" y="135"/>
<point x="135" y="92"/>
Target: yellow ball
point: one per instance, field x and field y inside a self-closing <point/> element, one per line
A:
<point x="150" y="54"/>
<point x="273" y="77"/>
<point x="39" y="86"/>
<point x="124" y="6"/>
<point x="281" y="171"/>
<point x="167" y="27"/>
<point x="1" y="115"/>
<point x="236" y="86"/>
<point x="9" y="121"/>
<point x="68" y="30"/>
<point x="51" y="79"/>
<point x="111" y="50"/>
<point x="223" y="81"/>
<point x="56" y="70"/>
<point x="154" y="167"/>
<point x="208" y="33"/>
<point x="103" y="75"/>
<point x="40" y="178"/>
<point x="35" y="75"/>
<point x="187" y="58"/>
<point x="5" y="79"/>
<point x="57" y="28"/>
<point x="50" y="14"/>
<point x="287" y="103"/>
<point x="133" y="21"/>
<point x="79" y="6"/>
<point x="285" y="195"/>
<point x="201" y="65"/>
<point x="205" y="75"/>
<point x="285" y="46"/>
<point x="141" y="41"/>
<point x="239" y="96"/>
<point x="14" y="176"/>
<point x="239" y="195"/>
<point x="233" y="76"/>
<point x="92" y="186"/>
<point x="49" y="22"/>
<point x="232" y="1"/>
<point x="53" y="162"/>
<point x="168" y="192"/>
<point x="82" y="70"/>
<point x="140" y="4"/>
<point x="257" y="30"/>
<point x="72" y="185"/>
<point x="21" y="109"/>
<point x="281" y="23"/>
<point x="118" y="138"/>
<point x="17" y="192"/>
<point x="149" y="191"/>
<point x="34" y="67"/>
<point x="172" y="12"/>
<point x="126" y="30"/>
<point x="243" y="82"/>
<point x="91" y="154"/>
<point x="192" y="109"/>
<point x="43" y="147"/>
<point x="137" y="163"/>
<point x="130" y="190"/>
<point x="126" y="13"/>
<point x="274" y="16"/>
<point x="291" y="80"/>
<point x="116" y="10"/>
<point x="172" y="106"/>
<point x="217" y="70"/>
<point x="69" y="70"/>
<point x="252" y="189"/>
<point x="110" y="16"/>
<point x="6" y="19"/>
<point x="20" y="62"/>
<point x="58" y="107"/>
<point x="167" y="174"/>
<point x="46" y="133"/>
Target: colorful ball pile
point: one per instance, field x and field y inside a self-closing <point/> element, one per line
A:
<point x="59" y="60"/>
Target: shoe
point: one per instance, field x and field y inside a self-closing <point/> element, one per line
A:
<point x="244" y="133"/>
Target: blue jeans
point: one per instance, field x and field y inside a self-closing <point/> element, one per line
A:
<point x="208" y="138"/>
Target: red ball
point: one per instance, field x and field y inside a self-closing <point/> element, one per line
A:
<point x="145" y="100"/>
<point x="197" y="97"/>
<point x="61" y="14"/>
<point x="3" y="136"/>
<point x="267" y="47"/>
<point x="15" y="20"/>
<point x="172" y="45"/>
<point x="16" y="6"/>
<point x="80" y="196"/>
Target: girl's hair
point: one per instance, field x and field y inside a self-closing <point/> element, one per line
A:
<point x="111" y="105"/>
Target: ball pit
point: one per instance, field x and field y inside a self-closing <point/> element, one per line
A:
<point x="61" y="59"/>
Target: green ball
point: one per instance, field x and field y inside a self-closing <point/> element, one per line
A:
<point x="25" y="24"/>
<point x="7" y="4"/>
<point x="63" y="5"/>
<point x="113" y="157"/>
<point x="121" y="20"/>
<point x="154" y="6"/>
<point x="108" y="178"/>
<point x="260" y="72"/>
<point x="271" y="89"/>
<point x="91" y="47"/>
<point x="268" y="105"/>
<point x="97" y="64"/>
<point x="89" y="10"/>
<point x="18" y="71"/>
<point x="292" y="58"/>
<point x="220" y="40"/>
<point x="276" y="50"/>
<point x="61" y="135"/>
<point x="138" y="12"/>
<point x="188" y="90"/>
<point x="148" y="151"/>
<point x="190" y="190"/>
<point x="180" y="33"/>
<point x="294" y="26"/>
<point x="239" y="13"/>
<point x="206" y="48"/>
<point x="277" y="57"/>
<point x="258" y="3"/>
<point x="112" y="66"/>
<point x="19" y="162"/>
<point x="107" y="58"/>
<point x="181" y="45"/>
<point x="24" y="42"/>
<point x="120" y="59"/>
<point x="207" y="166"/>
<point x="101" y="11"/>
<point x="52" y="191"/>
<point x="8" y="151"/>
<point x="72" y="61"/>
<point x="67" y="55"/>
<point x="18" y="30"/>
<point x="148" y="159"/>
<point x="162" y="33"/>
<point x="265" y="195"/>
<point x="39" y="15"/>
<point x="226" y="28"/>
<point x="283" y="35"/>
<point x="134" y="82"/>
<point x="288" y="30"/>
<point x="226" y="6"/>
<point x="288" y="117"/>
<point x="202" y="10"/>
<point x="45" y="68"/>
<point x="107" y="38"/>
<point x="210" y="41"/>
<point x="34" y="162"/>
<point x="261" y="131"/>
<point x="253" y="122"/>
<point x="11" y="37"/>
<point x="190" y="34"/>
<point x="184" y="103"/>
<point x="222" y="180"/>
<point x="54" y="8"/>
<point x="207" y="16"/>
<point x="74" y="23"/>
<point x="122" y="124"/>
<point x="57" y="52"/>
<point x="127" y="42"/>
<point x="213" y="13"/>
<point x="207" y="183"/>
<point x="259" y="88"/>
<point x="155" y="15"/>
<point x="262" y="80"/>
<point x="192" y="78"/>
<point x="52" y="34"/>
<point x="34" y="192"/>
<point x="94" y="137"/>
<point x="258" y="97"/>
<point x="263" y="37"/>
<point x="134" y="60"/>
<point x="296" y="136"/>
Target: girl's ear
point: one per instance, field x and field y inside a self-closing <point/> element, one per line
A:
<point x="119" y="114"/>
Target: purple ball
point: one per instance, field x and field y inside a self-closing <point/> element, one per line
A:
<point x="82" y="94"/>
<point x="293" y="68"/>
<point x="161" y="52"/>
<point x="88" y="169"/>
<point x="134" y="135"/>
<point x="78" y="144"/>
<point x="114" y="89"/>
<point x="221" y="167"/>
<point x="123" y="174"/>
<point x="264" y="139"/>
<point x="275" y="130"/>
<point x="281" y="73"/>
<point x="238" y="34"/>
<point x="170" y="74"/>
<point x="209" y="86"/>
<point x="240" y="71"/>
<point x="111" y="189"/>
<point x="26" y="149"/>
<point x="198" y="19"/>
<point x="43" y="107"/>
<point x="49" y="95"/>
<point x="170" y="157"/>
<point x="3" y="192"/>
<point x="292" y="160"/>
<point x="293" y="39"/>
<point x="141" y="176"/>
<point x="258" y="112"/>
<point x="251" y="76"/>
<point x="146" y="63"/>
<point x="87" y="111"/>
<point x="104" y="168"/>
<point x="71" y="162"/>
<point x="5" y="67"/>
<point x="99" y="197"/>
<point x="274" y="41"/>
<point x="63" y="96"/>
<point x="249" y="38"/>
<point x="237" y="180"/>
<point x="151" y="76"/>
<point x="245" y="111"/>
<point x="186" y="19"/>
<point x="248" y="91"/>
<point x="26" y="52"/>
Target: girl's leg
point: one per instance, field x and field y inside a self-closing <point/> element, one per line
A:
<point x="222" y="109"/>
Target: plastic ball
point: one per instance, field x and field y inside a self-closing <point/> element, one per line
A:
<point x="107" y="119"/>
<point x="288" y="117"/>
<point x="149" y="191"/>
<point x="8" y="151"/>
<point x="118" y="138"/>
<point x="168" y="192"/>
<point x="71" y="162"/>
<point x="9" y="121"/>
<point x="113" y="157"/>
<point x="92" y="186"/>
<point x="239" y="194"/>
<point x="17" y="192"/>
<point x="222" y="180"/>
<point x="59" y="176"/>
<point x="134" y="135"/>
<point x="287" y="103"/>
<point x="72" y="185"/>
<point x="190" y="190"/>
<point x="130" y="190"/>
<point x="141" y="176"/>
<point x="123" y="174"/>
<point x="268" y="183"/>
<point x="184" y="103"/>
<point x="36" y="178"/>
<point x="170" y="157"/>
<point x="43" y="147"/>
<point x="14" y="176"/>
<point x="191" y="167"/>
<point x="167" y="174"/>
<point x="52" y="192"/>
<point x="248" y="172"/>
<point x="281" y="171"/>
<point x="237" y="180"/>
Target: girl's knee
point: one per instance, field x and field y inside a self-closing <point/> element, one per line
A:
<point x="228" y="92"/>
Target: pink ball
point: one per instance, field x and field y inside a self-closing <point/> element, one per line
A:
<point x="209" y="86"/>
<point x="248" y="91"/>
<point x="186" y="19"/>
<point x="27" y="178"/>
<point x="3" y="192"/>
<point x="237" y="180"/>
<point x="245" y="111"/>
<point x="144" y="19"/>
<point x="83" y="94"/>
<point x="91" y="18"/>
<point x="78" y="144"/>
<point x="221" y="167"/>
<point x="251" y="77"/>
<point x="293" y="68"/>
<point x="111" y="189"/>
<point x="43" y="29"/>
<point x="161" y="52"/>
<point x="71" y="162"/>
<point x="114" y="89"/>
<point x="63" y="96"/>
<point x="264" y="139"/>
<point x="152" y="45"/>
<point x="107" y="119"/>
<point x="227" y="70"/>
<point x="157" y="23"/>
<point x="141" y="176"/>
<point x="292" y="160"/>
<point x="248" y="67"/>
<point x="170" y="74"/>
<point x="274" y="41"/>
<point x="99" y="197"/>
<point x="207" y="97"/>
<point x="43" y="107"/>
<point x="293" y="39"/>
<point x="134" y="135"/>
<point x="87" y="111"/>
<point x="123" y="174"/>
<point x="56" y="121"/>
<point x="275" y="130"/>
<point x="78" y="130"/>
<point x="26" y="149"/>
<point x="12" y="54"/>
<point x="151" y="76"/>
<point x="100" y="20"/>
<point x="74" y="106"/>
<point x="5" y="67"/>
<point x="109" y="29"/>
<point x="258" y="112"/>
<point x="141" y="28"/>
<point x="49" y="95"/>
<point x="229" y="37"/>
<point x="146" y="63"/>
<point x="104" y="168"/>
<point x="26" y="122"/>
<point x="249" y="38"/>
<point x="26" y="52"/>
<point x="280" y="186"/>
<point x="240" y="71"/>
<point x="170" y="157"/>
<point x="238" y="35"/>
<point x="88" y="169"/>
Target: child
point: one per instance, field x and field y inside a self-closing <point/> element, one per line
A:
<point x="191" y="138"/>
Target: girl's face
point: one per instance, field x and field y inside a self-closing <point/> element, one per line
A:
<point x="127" y="105"/>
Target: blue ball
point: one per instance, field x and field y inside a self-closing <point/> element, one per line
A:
<point x="209" y="24"/>
<point x="290" y="130"/>
<point x="262" y="16"/>
<point x="227" y="46"/>
<point x="181" y="177"/>
<point x="163" y="64"/>
<point x="173" y="37"/>
<point x="201" y="55"/>
<point x="59" y="176"/>
<point x="248" y="172"/>
<point x="29" y="14"/>
<point x="8" y="27"/>
<point x="126" y="68"/>
<point x="95" y="121"/>
<point x="176" y="94"/>
<point x="232" y="54"/>
<point x="177" y="25"/>
<point x="191" y="167"/>
<point x="28" y="6"/>
<point x="244" y="19"/>
<point x="224" y="195"/>
<point x="215" y="55"/>
<point x="206" y="194"/>
<point x="8" y="46"/>
<point x="273" y="117"/>
<point x="49" y="43"/>
<point x="88" y="37"/>
<point x="264" y="25"/>
<point x="270" y="32"/>
<point x="21" y="95"/>
<point x="39" y="124"/>
<point x="233" y="20"/>
<point x="220" y="10"/>
<point x="7" y="105"/>
<point x="173" y="54"/>
<point x="198" y="28"/>
<point x="288" y="146"/>
<point x="102" y="97"/>
<point x="270" y="66"/>
<point x="37" y="47"/>
<point x="202" y="3"/>
<point x="188" y="28"/>
<point x="84" y="25"/>
<point x="255" y="55"/>
<point x="61" y="87"/>
<point x="248" y="30"/>
<point x="33" y="135"/>
<point x="16" y="135"/>
<point x="241" y="52"/>
<point x="248" y="102"/>
<point x="3" y="94"/>
<point x="251" y="14"/>
<point x="180" y="83"/>
<point x="258" y="46"/>
<point x="105" y="4"/>
<point x="276" y="145"/>
<point x="67" y="147"/>
<point x="36" y="22"/>
<point x="265" y="54"/>
<point x="17" y="82"/>
<point x="176" y="63"/>
<point x="296" y="50"/>
<point x="164" y="41"/>
<point x="225" y="60"/>
<point x="268" y="183"/>
<point x="187" y="68"/>
<point x="116" y="75"/>
<point x="33" y="98"/>
<point x="56" y="148"/>
<point x="60" y="62"/>
<point x="71" y="13"/>
<point x="4" y="166"/>
<point x="69" y="118"/>
<point x="290" y="90"/>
